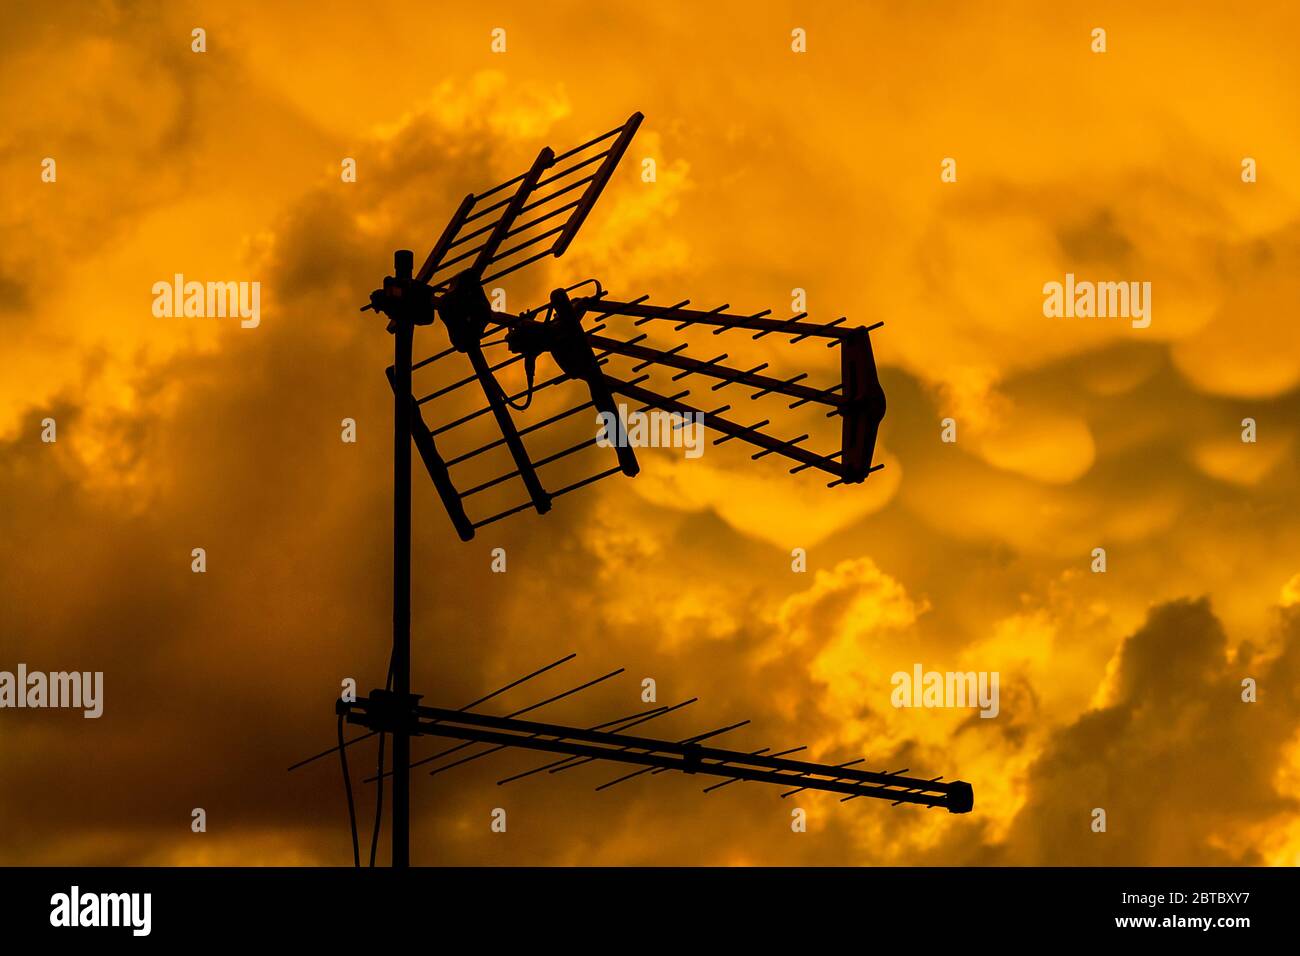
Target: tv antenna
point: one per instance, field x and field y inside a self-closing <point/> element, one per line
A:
<point x="490" y="236"/>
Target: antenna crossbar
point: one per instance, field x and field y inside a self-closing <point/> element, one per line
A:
<point x="686" y="757"/>
<point x="712" y="369"/>
<point x="604" y="306"/>
<point x="728" y="428"/>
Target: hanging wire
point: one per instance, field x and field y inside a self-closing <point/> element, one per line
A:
<point x="379" y="784"/>
<point x="352" y="807"/>
<point x="379" y="805"/>
<point x="530" y="370"/>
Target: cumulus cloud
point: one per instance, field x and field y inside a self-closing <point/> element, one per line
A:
<point x="1186" y="772"/>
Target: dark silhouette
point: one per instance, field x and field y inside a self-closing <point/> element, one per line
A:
<point x="492" y="234"/>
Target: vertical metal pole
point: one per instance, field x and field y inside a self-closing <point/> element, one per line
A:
<point x="403" y="263"/>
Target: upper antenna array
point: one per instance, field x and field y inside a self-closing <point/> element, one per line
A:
<point x="534" y="215"/>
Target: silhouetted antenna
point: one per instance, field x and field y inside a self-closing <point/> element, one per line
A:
<point x="610" y="741"/>
<point x="582" y="353"/>
<point x="534" y="215"/>
<point x="600" y="350"/>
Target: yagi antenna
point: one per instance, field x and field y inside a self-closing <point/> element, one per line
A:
<point x="575" y="336"/>
<point x="610" y="741"/>
<point x="510" y="418"/>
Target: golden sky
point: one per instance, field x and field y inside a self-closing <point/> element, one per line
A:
<point x="776" y="171"/>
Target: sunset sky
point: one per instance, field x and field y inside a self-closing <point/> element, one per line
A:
<point x="776" y="170"/>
